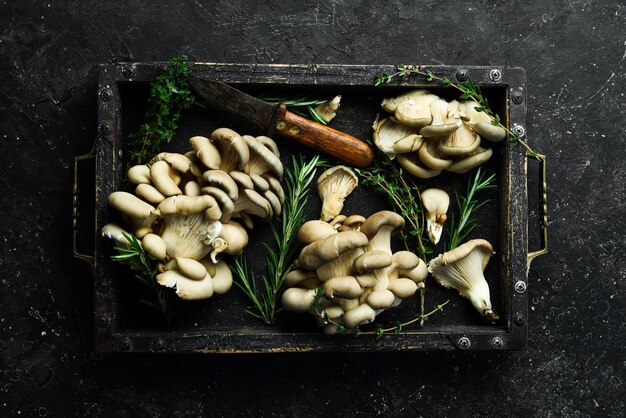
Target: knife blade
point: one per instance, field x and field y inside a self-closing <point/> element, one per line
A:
<point x="277" y="119"/>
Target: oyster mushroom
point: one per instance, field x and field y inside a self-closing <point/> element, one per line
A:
<point x="262" y="159"/>
<point x="412" y="163"/>
<point x="460" y="142"/>
<point x="328" y="109"/>
<point x="472" y="160"/>
<point x="314" y="230"/>
<point x="411" y="108"/>
<point x="231" y="240"/>
<point x="139" y="174"/>
<point x="253" y="203"/>
<point x="481" y="123"/>
<point x="432" y="156"/>
<point x="435" y="202"/>
<point x="142" y="214"/>
<point x="462" y="269"/>
<point x="333" y="256"/>
<point x="163" y="179"/>
<point x="333" y="186"/>
<point x="395" y="138"/>
<point x="443" y="123"/>
<point x="186" y="229"/>
<point x="233" y="149"/>
<point x="206" y="152"/>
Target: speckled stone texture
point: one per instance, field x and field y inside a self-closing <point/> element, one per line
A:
<point x="574" y="53"/>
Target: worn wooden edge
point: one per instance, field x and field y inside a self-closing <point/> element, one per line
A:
<point x="513" y="205"/>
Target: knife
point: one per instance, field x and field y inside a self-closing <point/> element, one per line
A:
<point x="277" y="119"/>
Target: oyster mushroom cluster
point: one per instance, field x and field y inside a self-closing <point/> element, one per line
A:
<point x="184" y="206"/>
<point x="347" y="274"/>
<point x="428" y="134"/>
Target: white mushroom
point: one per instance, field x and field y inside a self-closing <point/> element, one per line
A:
<point x="481" y="123"/>
<point x="435" y="203"/>
<point x="333" y="186"/>
<point x="462" y="269"/>
<point x="328" y="109"/>
<point x="394" y="138"/>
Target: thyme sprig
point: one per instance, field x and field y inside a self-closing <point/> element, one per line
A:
<point x="403" y="195"/>
<point x="469" y="90"/>
<point x="136" y="257"/>
<point x="278" y="261"/>
<point x="302" y="105"/>
<point x="461" y="227"/>
<point x="169" y="96"/>
<point x="398" y="327"/>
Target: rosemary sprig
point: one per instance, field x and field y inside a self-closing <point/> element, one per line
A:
<point x="379" y="330"/>
<point x="403" y="195"/>
<point x="169" y="96"/>
<point x="278" y="261"/>
<point x="136" y="257"/>
<point x="460" y="229"/>
<point x="469" y="90"/>
<point x="302" y="105"/>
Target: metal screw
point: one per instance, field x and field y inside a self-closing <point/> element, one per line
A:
<point x="497" y="343"/>
<point x="158" y="345"/>
<point x="520" y="287"/>
<point x="517" y="97"/>
<point x="105" y="129"/>
<point x="495" y="75"/>
<point x="281" y="125"/>
<point x="464" y="343"/>
<point x="101" y="321"/>
<point x="124" y="344"/>
<point x="519" y="130"/>
<point x="518" y="319"/>
<point x="128" y="72"/>
<point x="294" y="130"/>
<point x="461" y="75"/>
<point x="106" y="95"/>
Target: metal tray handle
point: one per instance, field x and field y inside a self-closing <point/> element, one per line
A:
<point x="544" y="218"/>
<point x="75" y="202"/>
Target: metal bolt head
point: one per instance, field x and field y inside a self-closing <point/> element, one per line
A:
<point x="281" y="125"/>
<point x="461" y="75"/>
<point x="517" y="97"/>
<point x="124" y="344"/>
<point x="497" y="343"/>
<point x="518" y="319"/>
<point x="106" y="94"/>
<point x="128" y="72"/>
<point x="495" y="75"/>
<point x="105" y="129"/>
<point x="519" y="130"/>
<point x="520" y="286"/>
<point x="158" y="344"/>
<point x="464" y="343"/>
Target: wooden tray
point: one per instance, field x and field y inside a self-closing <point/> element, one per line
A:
<point x="219" y="324"/>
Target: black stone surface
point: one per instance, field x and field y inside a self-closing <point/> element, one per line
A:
<point x="573" y="52"/>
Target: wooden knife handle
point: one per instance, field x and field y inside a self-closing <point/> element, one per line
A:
<point x="324" y="139"/>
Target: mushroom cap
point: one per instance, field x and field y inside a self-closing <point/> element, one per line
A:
<point x="149" y="193"/>
<point x="381" y="299"/>
<point x="311" y="231"/>
<point x="223" y="278"/>
<point x="260" y="184"/>
<point x="415" y="109"/>
<point x="235" y="237"/>
<point x="408" y="265"/>
<point x="411" y="143"/>
<point x="391" y="104"/>
<point x="432" y="156"/>
<point x="333" y="186"/>
<point x="131" y="205"/>
<point x="221" y="179"/>
<point x="178" y="162"/>
<point x="435" y="200"/>
<point x="186" y="205"/>
<point x="254" y="204"/>
<point x="233" y="149"/>
<point x="460" y="142"/>
<point x="352" y="222"/>
<point x="225" y="203"/>
<point x="443" y="123"/>
<point x="480" y="122"/>
<point x="155" y="246"/>
<point x="402" y="288"/>
<point x="343" y="287"/>
<point x="116" y="233"/>
<point x="387" y="133"/>
<point x="190" y="268"/>
<point x="472" y="160"/>
<point x="262" y="159"/>
<point x="275" y="187"/>
<point x="269" y="144"/>
<point x="412" y="163"/>
<point x="361" y="314"/>
<point x="325" y="250"/>
<point x="242" y="179"/>
<point x="138" y="174"/>
<point x="379" y="220"/>
<point x="206" y="152"/>
<point x="192" y="188"/>
<point x="162" y="175"/>
<point x="298" y="300"/>
<point x="297" y="276"/>
<point x="478" y="246"/>
<point x="371" y="260"/>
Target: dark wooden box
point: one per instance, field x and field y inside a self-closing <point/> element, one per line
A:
<point x="219" y="324"/>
